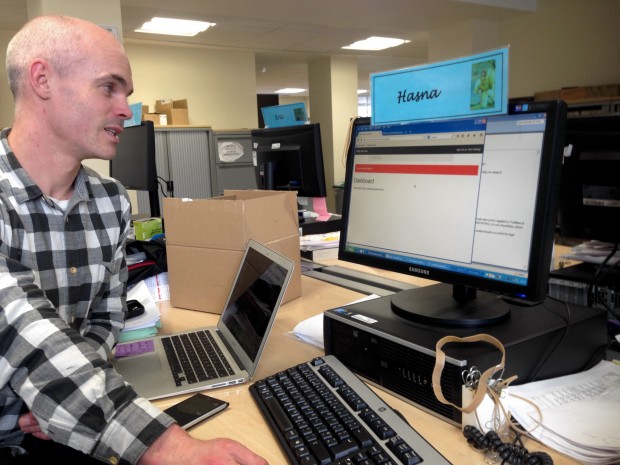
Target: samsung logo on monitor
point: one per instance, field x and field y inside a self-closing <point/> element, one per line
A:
<point x="413" y="269"/>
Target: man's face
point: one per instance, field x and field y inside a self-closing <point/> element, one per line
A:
<point x="90" y="102"/>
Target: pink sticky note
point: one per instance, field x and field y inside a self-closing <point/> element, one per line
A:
<point x="319" y="206"/>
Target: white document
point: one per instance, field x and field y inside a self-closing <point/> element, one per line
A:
<point x="159" y="286"/>
<point x="311" y="329"/>
<point x="593" y="252"/>
<point x="319" y="241"/>
<point x="580" y="413"/>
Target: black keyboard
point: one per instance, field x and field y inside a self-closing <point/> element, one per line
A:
<point x="195" y="357"/>
<point x="321" y="413"/>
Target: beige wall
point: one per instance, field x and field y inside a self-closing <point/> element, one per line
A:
<point x="566" y="43"/>
<point x="220" y="85"/>
<point x="333" y="96"/>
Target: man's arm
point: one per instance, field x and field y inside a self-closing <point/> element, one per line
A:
<point x="175" y="447"/>
<point x="173" y="444"/>
<point x="106" y="317"/>
<point x="60" y="377"/>
<point x="69" y="386"/>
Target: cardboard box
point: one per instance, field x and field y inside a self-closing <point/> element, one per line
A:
<point x="175" y="110"/>
<point x="569" y="94"/>
<point x="579" y="93"/>
<point x="590" y="92"/>
<point x="206" y="238"/>
<point x="146" y="228"/>
<point x="158" y="119"/>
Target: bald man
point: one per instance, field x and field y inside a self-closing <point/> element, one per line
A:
<point x="62" y="263"/>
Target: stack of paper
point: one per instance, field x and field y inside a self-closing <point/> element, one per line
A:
<point x="593" y="252"/>
<point x="145" y="325"/>
<point x="580" y="413"/>
<point x="159" y="286"/>
<point x="320" y="246"/>
<point x="320" y="241"/>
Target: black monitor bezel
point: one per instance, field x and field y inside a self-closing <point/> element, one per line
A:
<point x="303" y="140"/>
<point x="592" y="158"/>
<point x="544" y="222"/>
<point x="134" y="164"/>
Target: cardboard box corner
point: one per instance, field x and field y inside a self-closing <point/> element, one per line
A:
<point x="176" y="111"/>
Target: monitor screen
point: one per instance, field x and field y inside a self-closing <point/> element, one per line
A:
<point x="290" y="158"/>
<point x="134" y="164"/>
<point x="470" y="203"/>
<point x="590" y="190"/>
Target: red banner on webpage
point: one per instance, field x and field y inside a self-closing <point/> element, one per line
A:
<point x="458" y="170"/>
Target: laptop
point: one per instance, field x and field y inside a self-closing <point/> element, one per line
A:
<point x="160" y="366"/>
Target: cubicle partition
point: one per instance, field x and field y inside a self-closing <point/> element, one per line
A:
<point x="200" y="162"/>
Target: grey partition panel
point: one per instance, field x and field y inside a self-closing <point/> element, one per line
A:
<point x="235" y="177"/>
<point x="231" y="161"/>
<point x="182" y="157"/>
<point x="188" y="160"/>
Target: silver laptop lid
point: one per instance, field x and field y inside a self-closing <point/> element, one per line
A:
<point x="251" y="306"/>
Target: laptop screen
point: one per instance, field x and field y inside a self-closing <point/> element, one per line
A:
<point x="253" y="301"/>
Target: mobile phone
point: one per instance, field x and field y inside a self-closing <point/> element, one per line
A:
<point x="194" y="409"/>
<point x="134" y="309"/>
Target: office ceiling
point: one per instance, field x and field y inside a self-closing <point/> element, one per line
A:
<point x="287" y="34"/>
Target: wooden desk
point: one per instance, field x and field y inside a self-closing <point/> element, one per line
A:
<point x="243" y="421"/>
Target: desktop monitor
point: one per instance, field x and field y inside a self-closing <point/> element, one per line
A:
<point x="470" y="203"/>
<point x="134" y="163"/>
<point x="290" y="158"/>
<point x="590" y="190"/>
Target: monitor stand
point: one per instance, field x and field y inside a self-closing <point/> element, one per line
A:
<point x="446" y="305"/>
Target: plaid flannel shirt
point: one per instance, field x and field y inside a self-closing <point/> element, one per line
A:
<point x="62" y="290"/>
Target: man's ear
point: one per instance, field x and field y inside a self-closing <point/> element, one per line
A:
<point x="39" y="78"/>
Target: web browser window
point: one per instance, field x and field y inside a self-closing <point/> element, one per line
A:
<point x="441" y="191"/>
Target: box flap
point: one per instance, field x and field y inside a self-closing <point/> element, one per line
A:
<point x="229" y="221"/>
<point x="181" y="104"/>
<point x="161" y="106"/>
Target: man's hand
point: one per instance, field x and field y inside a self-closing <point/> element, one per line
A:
<point x="175" y="447"/>
<point x="29" y="424"/>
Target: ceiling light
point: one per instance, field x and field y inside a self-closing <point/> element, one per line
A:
<point x="175" y="27"/>
<point x="361" y="91"/>
<point x="290" y="90"/>
<point x="376" y="43"/>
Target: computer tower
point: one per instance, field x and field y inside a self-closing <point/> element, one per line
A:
<point x="398" y="355"/>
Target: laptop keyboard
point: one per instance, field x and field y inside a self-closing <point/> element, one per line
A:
<point x="195" y="357"/>
<point x="321" y="413"/>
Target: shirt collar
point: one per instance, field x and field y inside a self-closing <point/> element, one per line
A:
<point x="24" y="189"/>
